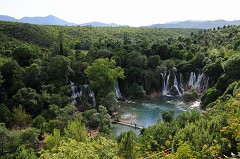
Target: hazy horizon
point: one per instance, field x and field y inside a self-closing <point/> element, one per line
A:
<point x="123" y="12"/>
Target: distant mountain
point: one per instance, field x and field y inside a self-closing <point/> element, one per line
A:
<point x="196" y="24"/>
<point x="48" y="20"/>
<point x="7" y="18"/>
<point x="52" y="20"/>
<point x="99" y="24"/>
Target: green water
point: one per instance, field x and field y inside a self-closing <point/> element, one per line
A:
<point x="149" y="112"/>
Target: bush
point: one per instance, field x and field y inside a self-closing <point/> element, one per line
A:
<point x="136" y="91"/>
<point x="209" y="96"/>
<point x="190" y="95"/>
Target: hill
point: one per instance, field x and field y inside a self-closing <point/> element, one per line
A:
<point x="7" y="18"/>
<point x="45" y="68"/>
<point x="196" y="24"/>
<point x="100" y="24"/>
<point x="53" y="20"/>
<point x="48" y="20"/>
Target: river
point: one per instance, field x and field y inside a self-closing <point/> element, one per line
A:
<point x="149" y="112"/>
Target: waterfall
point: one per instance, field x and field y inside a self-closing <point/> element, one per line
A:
<point x="181" y="86"/>
<point x="192" y="79"/>
<point x="199" y="82"/>
<point x="165" y="88"/>
<point x="118" y="93"/>
<point x="75" y="93"/>
<point x="92" y="95"/>
<point x="175" y="84"/>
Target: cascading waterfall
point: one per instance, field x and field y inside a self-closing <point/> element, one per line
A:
<point x="175" y="84"/>
<point x="118" y="92"/>
<point x="78" y="94"/>
<point x="92" y="95"/>
<point x="199" y="82"/>
<point x="181" y="86"/>
<point x="165" y="87"/>
<point x="177" y="87"/>
<point x="75" y="93"/>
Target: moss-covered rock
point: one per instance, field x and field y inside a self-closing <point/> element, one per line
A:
<point x="190" y="95"/>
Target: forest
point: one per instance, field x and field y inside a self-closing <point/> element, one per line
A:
<point x="57" y="86"/>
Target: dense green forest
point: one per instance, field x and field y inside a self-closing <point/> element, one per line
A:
<point x="43" y="67"/>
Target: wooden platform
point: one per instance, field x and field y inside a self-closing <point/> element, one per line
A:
<point x="128" y="124"/>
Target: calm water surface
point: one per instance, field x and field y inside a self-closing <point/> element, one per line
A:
<point x="149" y="112"/>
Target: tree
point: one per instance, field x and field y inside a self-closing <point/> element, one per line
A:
<point x="231" y="66"/>
<point x="100" y="148"/>
<point x="32" y="76"/>
<point x="209" y="96"/>
<point x="91" y="118"/>
<point x="76" y="130"/>
<point x="1" y="78"/>
<point x="104" y="118"/>
<point x="184" y="151"/>
<point x="38" y="122"/>
<point x="102" y="75"/>
<point x="136" y="59"/>
<point x="5" y="114"/>
<point x="110" y="102"/>
<point x="154" y="61"/>
<point x="12" y="74"/>
<point x="24" y="55"/>
<point x="29" y="99"/>
<point x="213" y="70"/>
<point x="25" y="153"/>
<point x="168" y="115"/>
<point x="59" y="69"/>
<point x="4" y="136"/>
<point x="21" y="118"/>
<point x="126" y="145"/>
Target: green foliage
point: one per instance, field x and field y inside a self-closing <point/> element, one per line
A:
<point x="59" y="69"/>
<point x="1" y="80"/>
<point x="53" y="140"/>
<point x="126" y="145"/>
<point x="136" y="91"/>
<point x="12" y="74"/>
<point x="184" y="152"/>
<point x="37" y="62"/>
<point x="110" y="102"/>
<point x="167" y="116"/>
<point x="6" y="115"/>
<point x="91" y="118"/>
<point x="213" y="70"/>
<point x="100" y="148"/>
<point x="24" y="153"/>
<point x="4" y="138"/>
<point x="21" y="118"/>
<point x="190" y="95"/>
<point x="39" y="122"/>
<point x="231" y="66"/>
<point x="153" y="61"/>
<point x="102" y="75"/>
<point x="29" y="99"/>
<point x="24" y="55"/>
<point x="32" y="76"/>
<point x="209" y="96"/>
<point x="76" y="130"/>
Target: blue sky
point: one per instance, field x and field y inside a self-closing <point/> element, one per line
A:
<point x="125" y="12"/>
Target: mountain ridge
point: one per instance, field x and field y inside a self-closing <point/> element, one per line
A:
<point x="53" y="20"/>
<point x="208" y="24"/>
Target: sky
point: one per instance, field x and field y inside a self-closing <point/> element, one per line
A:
<point x="124" y="12"/>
